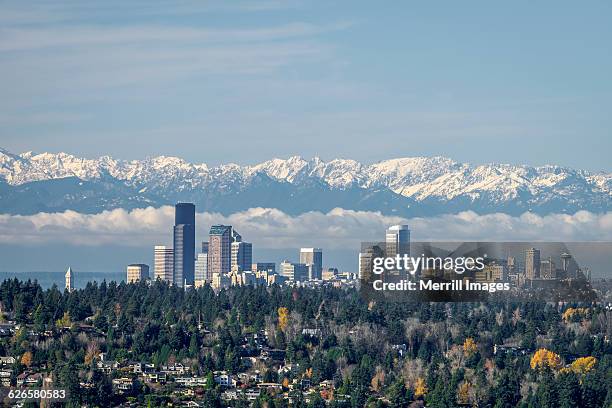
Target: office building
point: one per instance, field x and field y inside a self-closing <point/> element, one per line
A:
<point x="297" y="272"/>
<point x="137" y="273"/>
<point x="69" y="280"/>
<point x="397" y="239"/>
<point x="269" y="267"/>
<point x="164" y="263"/>
<point x="201" y="270"/>
<point x="313" y="259"/>
<point x="366" y="260"/>
<point x="184" y="244"/>
<point x="219" y="249"/>
<point x="242" y="256"/>
<point x="532" y="263"/>
<point x="548" y="269"/>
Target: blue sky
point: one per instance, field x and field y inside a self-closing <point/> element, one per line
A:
<point x="215" y="82"/>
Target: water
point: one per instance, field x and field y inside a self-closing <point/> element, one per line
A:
<point x="47" y="279"/>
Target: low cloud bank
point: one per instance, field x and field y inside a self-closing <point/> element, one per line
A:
<point x="271" y="228"/>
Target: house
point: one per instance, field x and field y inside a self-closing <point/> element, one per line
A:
<point x="28" y="379"/>
<point x="123" y="384"/>
<point x="270" y="386"/>
<point x="156" y="377"/>
<point x="174" y="369"/>
<point x="107" y="367"/>
<point x="224" y="379"/>
<point x="5" y="377"/>
<point x="252" y="393"/>
<point x="7" y="360"/>
<point x="194" y="381"/>
<point x="289" y="368"/>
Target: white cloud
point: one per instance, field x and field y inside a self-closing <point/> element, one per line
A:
<point x="272" y="228"/>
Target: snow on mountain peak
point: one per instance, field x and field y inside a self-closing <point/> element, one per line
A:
<point x="419" y="178"/>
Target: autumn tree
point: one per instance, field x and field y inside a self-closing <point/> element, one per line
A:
<point x="469" y="347"/>
<point x="420" y="389"/>
<point x="26" y="359"/>
<point x="545" y="358"/>
<point x="283" y="317"/>
<point x="583" y="365"/>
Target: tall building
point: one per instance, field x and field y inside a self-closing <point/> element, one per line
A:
<point x="137" y="273"/>
<point x="69" y="280"/>
<point x="242" y="256"/>
<point x="297" y="272"/>
<point x="548" y="269"/>
<point x="397" y="240"/>
<point x="366" y="260"/>
<point x="219" y="249"/>
<point x="532" y="263"/>
<point x="201" y="270"/>
<point x="184" y="244"/>
<point x="164" y="263"/>
<point x="313" y="258"/>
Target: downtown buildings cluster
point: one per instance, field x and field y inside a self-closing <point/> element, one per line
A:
<point x="227" y="260"/>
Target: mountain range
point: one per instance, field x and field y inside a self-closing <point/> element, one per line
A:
<point x="414" y="186"/>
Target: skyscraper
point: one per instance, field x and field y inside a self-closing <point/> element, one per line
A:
<point x="397" y="240"/>
<point x="313" y="258"/>
<point x="242" y="256"/>
<point x="184" y="244"/>
<point x="532" y="263"/>
<point x="219" y="249"/>
<point x="201" y="270"/>
<point x="137" y="273"/>
<point x="164" y="263"/>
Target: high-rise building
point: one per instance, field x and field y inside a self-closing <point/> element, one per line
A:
<point x="69" y="280"/>
<point x="184" y="244"/>
<point x="297" y="272"/>
<point x="137" y="273"/>
<point x="164" y="263"/>
<point x="242" y="256"/>
<point x="219" y="249"/>
<point x="366" y="260"/>
<point x="548" y="269"/>
<point x="201" y="270"/>
<point x="397" y="240"/>
<point x="313" y="258"/>
<point x="532" y="263"/>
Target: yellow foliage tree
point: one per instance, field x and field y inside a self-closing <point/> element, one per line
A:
<point x="545" y="358"/>
<point x="463" y="394"/>
<point x="285" y="382"/>
<point x="26" y="359"/>
<point x="571" y="312"/>
<point x="93" y="351"/>
<point x="283" y="317"/>
<point x="309" y="372"/>
<point x="469" y="346"/>
<point x="420" y="389"/>
<point x="64" y="321"/>
<point x="583" y="365"/>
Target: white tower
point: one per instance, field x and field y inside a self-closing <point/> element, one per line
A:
<point x="69" y="280"/>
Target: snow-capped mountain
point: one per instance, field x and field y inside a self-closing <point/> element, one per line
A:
<point x="413" y="186"/>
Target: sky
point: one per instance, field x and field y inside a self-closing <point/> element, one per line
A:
<point x="216" y="82"/>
